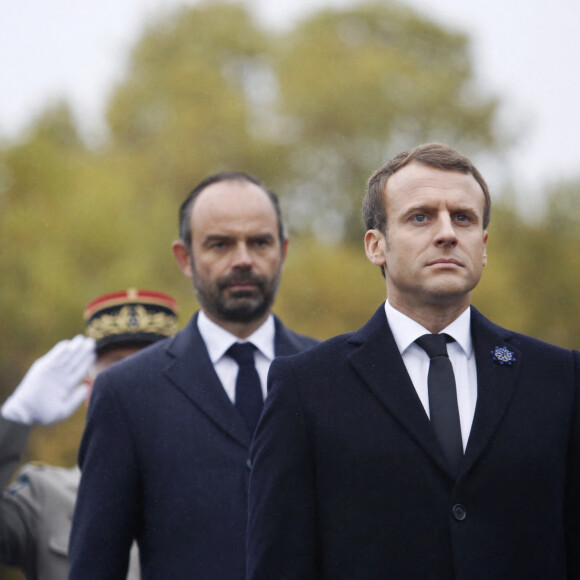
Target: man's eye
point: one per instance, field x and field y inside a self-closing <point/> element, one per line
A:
<point x="420" y="218"/>
<point x="463" y="218"/>
<point x="261" y="243"/>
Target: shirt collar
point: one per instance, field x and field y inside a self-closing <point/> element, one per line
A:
<point x="406" y="330"/>
<point x="218" y="340"/>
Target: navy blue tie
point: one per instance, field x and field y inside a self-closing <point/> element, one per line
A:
<point x="443" y="408"/>
<point x="249" y="401"/>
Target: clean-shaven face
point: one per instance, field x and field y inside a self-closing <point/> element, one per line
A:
<point x="435" y="247"/>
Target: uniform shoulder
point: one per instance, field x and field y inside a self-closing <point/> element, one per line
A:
<point x="41" y="475"/>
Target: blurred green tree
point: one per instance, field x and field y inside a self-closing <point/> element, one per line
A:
<point x="313" y="110"/>
<point x="183" y="110"/>
<point x="531" y="283"/>
<point x="361" y="84"/>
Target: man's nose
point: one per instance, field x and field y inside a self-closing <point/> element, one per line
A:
<point x="242" y="256"/>
<point x="445" y="233"/>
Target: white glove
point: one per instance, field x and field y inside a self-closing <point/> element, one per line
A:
<point x="51" y="390"/>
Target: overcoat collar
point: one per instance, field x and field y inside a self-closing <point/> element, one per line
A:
<point x="191" y="371"/>
<point x="377" y="360"/>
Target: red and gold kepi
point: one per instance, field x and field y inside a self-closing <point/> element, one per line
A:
<point x="130" y="318"/>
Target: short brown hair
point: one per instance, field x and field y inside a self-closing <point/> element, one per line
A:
<point x="435" y="155"/>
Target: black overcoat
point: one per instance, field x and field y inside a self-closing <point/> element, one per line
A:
<point x="165" y="459"/>
<point x="348" y="481"/>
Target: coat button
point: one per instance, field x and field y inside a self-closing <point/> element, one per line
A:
<point x="249" y="463"/>
<point x="459" y="512"/>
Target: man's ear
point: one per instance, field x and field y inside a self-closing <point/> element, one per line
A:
<point x="485" y="248"/>
<point x="375" y="247"/>
<point x="284" y="249"/>
<point x="181" y="253"/>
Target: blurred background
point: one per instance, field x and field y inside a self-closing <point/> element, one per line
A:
<point x="111" y="110"/>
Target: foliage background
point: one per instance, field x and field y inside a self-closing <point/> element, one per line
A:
<point x="312" y="111"/>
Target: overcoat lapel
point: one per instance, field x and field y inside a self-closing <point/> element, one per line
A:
<point x="377" y="360"/>
<point x="495" y="384"/>
<point x="191" y="371"/>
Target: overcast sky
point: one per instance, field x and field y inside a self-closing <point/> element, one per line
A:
<point x="526" y="51"/>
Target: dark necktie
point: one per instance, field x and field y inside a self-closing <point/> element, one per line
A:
<point x="249" y="401"/>
<point x="443" y="407"/>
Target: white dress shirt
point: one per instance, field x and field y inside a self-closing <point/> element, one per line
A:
<point x="218" y="341"/>
<point x="405" y="331"/>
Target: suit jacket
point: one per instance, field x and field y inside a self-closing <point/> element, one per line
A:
<point x="165" y="459"/>
<point x="36" y="511"/>
<point x="361" y="489"/>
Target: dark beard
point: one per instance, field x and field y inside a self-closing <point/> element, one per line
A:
<point x="240" y="306"/>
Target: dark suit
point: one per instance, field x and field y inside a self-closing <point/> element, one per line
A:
<point x="165" y="459"/>
<point x="361" y="489"/>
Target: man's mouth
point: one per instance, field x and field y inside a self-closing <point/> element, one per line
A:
<point x="241" y="284"/>
<point x="446" y="263"/>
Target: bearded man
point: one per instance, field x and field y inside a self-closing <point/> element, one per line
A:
<point x="165" y="455"/>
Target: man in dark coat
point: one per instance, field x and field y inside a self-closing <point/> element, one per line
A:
<point x="407" y="461"/>
<point x="165" y="455"/>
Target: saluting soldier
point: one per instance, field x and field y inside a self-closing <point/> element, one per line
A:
<point x="36" y="510"/>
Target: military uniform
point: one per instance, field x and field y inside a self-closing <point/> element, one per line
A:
<point x="36" y="511"/>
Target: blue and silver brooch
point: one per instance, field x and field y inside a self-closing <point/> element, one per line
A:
<point x="502" y="355"/>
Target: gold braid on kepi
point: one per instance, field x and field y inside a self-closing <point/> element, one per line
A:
<point x="130" y="318"/>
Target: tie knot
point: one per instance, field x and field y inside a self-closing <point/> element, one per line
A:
<point x="434" y="344"/>
<point x="242" y="353"/>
